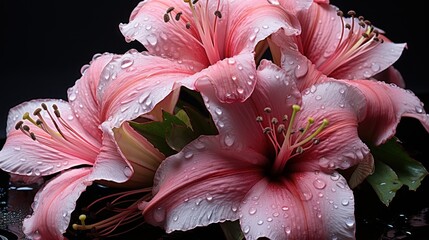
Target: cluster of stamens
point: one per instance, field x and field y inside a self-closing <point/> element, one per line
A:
<point x="295" y="141"/>
<point x="355" y="44"/>
<point x="202" y="23"/>
<point x="123" y="210"/>
<point x="58" y="134"/>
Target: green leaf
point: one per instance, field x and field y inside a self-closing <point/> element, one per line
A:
<point x="232" y="230"/>
<point x="393" y="169"/>
<point x="178" y="136"/>
<point x="410" y="172"/>
<point x="201" y="124"/>
<point x="385" y="182"/>
<point x="157" y="132"/>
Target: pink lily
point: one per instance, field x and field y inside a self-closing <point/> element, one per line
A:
<point x="332" y="47"/>
<point x="339" y="47"/>
<point x="221" y="36"/>
<point x="272" y="166"/>
<point x="50" y="137"/>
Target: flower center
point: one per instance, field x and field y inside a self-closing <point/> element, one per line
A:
<point x="59" y="134"/>
<point x="289" y="142"/>
<point x="359" y="40"/>
<point x="203" y="29"/>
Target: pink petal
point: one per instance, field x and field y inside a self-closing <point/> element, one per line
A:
<point x="235" y="31"/>
<point x="110" y="164"/>
<point x="135" y="82"/>
<point x="302" y="206"/>
<point x="21" y="155"/>
<point x="386" y="105"/>
<point x="340" y="146"/>
<point x="54" y="203"/>
<point x="84" y="93"/>
<point x="170" y="39"/>
<point x="233" y="78"/>
<point x="203" y="184"/>
<point x="391" y="75"/>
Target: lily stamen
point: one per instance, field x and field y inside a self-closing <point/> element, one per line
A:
<point x="59" y="133"/>
<point x="122" y="215"/>
<point x="356" y="43"/>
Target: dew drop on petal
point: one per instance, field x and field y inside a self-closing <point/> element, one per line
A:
<point x="252" y="210"/>
<point x="273" y="2"/>
<point x="229" y="140"/>
<point x="159" y="214"/>
<point x="127" y="171"/>
<point x="345" y="202"/>
<point x="419" y="109"/>
<point x="319" y="184"/>
<point x="246" y="229"/>
<point x="126" y="63"/>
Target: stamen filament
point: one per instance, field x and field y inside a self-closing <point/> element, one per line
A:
<point x="325" y="122"/>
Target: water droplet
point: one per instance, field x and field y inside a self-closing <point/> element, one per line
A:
<point x="231" y="61"/>
<point x="240" y="90"/>
<point x="84" y="68"/>
<point x="126" y="63"/>
<point x="285" y="208"/>
<point x="209" y="197"/>
<point x="234" y="209"/>
<point x="301" y="70"/>
<point x="127" y="171"/>
<point x="260" y="222"/>
<point x="17" y="148"/>
<point x="37" y="172"/>
<point x="252" y="37"/>
<point x="313" y="89"/>
<point x="305" y="196"/>
<point x="265" y="26"/>
<point x="319" y="184"/>
<point x="367" y="74"/>
<point x="342" y="90"/>
<point x="375" y="67"/>
<point x="252" y="210"/>
<point x="276" y="214"/>
<point x="318" y="97"/>
<point x="273" y="2"/>
<point x="152" y="40"/>
<point x="218" y="111"/>
<point x="340" y="185"/>
<point x="229" y="140"/>
<point x="159" y="214"/>
<point x="335" y="176"/>
<point x="189" y="155"/>
<point x="288" y="230"/>
<point x="419" y="109"/>
<point x="345" y="202"/>
<point x="246" y="229"/>
<point x="72" y="97"/>
<point x="350" y="222"/>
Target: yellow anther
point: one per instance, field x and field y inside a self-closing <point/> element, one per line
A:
<point x="75" y="226"/>
<point x="82" y="218"/>
<point x="296" y="108"/>
<point x="310" y="120"/>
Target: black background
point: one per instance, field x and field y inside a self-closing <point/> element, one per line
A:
<point x="45" y="43"/>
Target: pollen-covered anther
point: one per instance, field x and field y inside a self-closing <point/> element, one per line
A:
<point x="218" y="14"/>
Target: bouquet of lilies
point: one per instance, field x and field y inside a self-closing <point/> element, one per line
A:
<point x="260" y="116"/>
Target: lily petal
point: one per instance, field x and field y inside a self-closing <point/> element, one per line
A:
<point x="54" y="203"/>
<point x="129" y="89"/>
<point x="303" y="206"/>
<point x="44" y="156"/>
<point x="183" y="180"/>
<point x="322" y="49"/>
<point x="339" y="144"/>
<point x="84" y="93"/>
<point x="386" y="105"/>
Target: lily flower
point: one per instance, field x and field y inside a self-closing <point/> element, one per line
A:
<point x="332" y="47"/>
<point x="221" y="36"/>
<point x="273" y="165"/>
<point x="338" y="47"/>
<point x="74" y="142"/>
